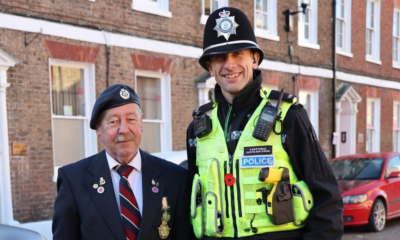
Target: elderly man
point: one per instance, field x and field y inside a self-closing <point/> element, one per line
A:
<point x="257" y="167"/>
<point x="122" y="192"/>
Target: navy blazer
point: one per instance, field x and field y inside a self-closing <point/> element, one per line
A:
<point x="80" y="212"/>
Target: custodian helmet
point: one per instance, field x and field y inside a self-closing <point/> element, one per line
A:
<point x="228" y="30"/>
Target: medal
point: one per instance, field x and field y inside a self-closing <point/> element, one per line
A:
<point x="163" y="229"/>
<point x="166" y="216"/>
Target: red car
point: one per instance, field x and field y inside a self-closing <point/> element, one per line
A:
<point x="370" y="186"/>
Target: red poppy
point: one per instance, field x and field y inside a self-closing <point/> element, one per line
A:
<point x="229" y="179"/>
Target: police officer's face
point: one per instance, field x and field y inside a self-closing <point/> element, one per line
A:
<point x="233" y="71"/>
<point x="120" y="131"/>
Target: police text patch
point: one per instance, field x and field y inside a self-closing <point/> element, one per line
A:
<point x="257" y="161"/>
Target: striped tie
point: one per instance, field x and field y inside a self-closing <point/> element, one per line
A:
<point x="129" y="208"/>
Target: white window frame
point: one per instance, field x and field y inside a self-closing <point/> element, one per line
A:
<point x="375" y="56"/>
<point x="271" y="33"/>
<point x="396" y="63"/>
<point x="312" y="42"/>
<point x="396" y="144"/>
<point x="346" y="48"/>
<point x="165" y="122"/>
<point x="314" y="106"/>
<point x="204" y="17"/>
<point x="377" y="125"/>
<point x="161" y="7"/>
<point x="90" y="97"/>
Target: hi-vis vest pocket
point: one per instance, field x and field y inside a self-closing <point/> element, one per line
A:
<point x="214" y="221"/>
<point x="196" y="207"/>
<point x="302" y="202"/>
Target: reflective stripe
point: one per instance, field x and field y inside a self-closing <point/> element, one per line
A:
<point x="230" y="43"/>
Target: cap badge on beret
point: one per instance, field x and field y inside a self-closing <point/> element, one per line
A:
<point x="124" y="93"/>
<point x="226" y="25"/>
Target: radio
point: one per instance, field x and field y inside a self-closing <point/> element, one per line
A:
<point x="267" y="119"/>
<point x="202" y="125"/>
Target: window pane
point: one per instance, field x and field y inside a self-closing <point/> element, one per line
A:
<point x="69" y="140"/>
<point x="214" y="5"/>
<point x="370" y="135"/>
<point x="258" y="5"/>
<point x="207" y="10"/>
<point x="259" y="21"/>
<point x="68" y="93"/>
<point x="395" y="23"/>
<point x="265" y="6"/>
<point x="370" y="115"/>
<point x="265" y="22"/>
<point x="395" y="47"/>
<point x="306" y="32"/>
<point x="151" y="137"/>
<point x="149" y="92"/>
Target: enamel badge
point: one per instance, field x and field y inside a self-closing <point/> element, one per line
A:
<point x="124" y="93"/>
<point x="163" y="229"/>
<point x="226" y="25"/>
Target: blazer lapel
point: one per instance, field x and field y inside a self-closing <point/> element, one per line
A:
<point x="151" y="200"/>
<point x="105" y="202"/>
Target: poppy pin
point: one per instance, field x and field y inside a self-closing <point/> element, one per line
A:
<point x="229" y="179"/>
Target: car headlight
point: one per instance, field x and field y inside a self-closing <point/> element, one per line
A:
<point x="355" y="199"/>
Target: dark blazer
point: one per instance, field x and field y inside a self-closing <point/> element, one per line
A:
<point x="80" y="212"/>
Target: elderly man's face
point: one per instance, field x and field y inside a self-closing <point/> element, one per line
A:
<point x="120" y="130"/>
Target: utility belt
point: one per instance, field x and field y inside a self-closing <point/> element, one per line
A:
<point x="267" y="201"/>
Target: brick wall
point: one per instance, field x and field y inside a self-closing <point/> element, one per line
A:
<point x="357" y="64"/>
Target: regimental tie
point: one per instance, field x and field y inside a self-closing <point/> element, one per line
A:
<point x="130" y="213"/>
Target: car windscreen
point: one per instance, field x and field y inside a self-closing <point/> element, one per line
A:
<point x="357" y="168"/>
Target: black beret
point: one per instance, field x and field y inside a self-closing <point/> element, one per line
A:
<point x="227" y="30"/>
<point x="114" y="96"/>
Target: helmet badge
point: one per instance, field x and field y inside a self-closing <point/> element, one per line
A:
<point x="226" y="25"/>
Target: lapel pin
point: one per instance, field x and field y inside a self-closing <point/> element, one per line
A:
<point x="95" y="186"/>
<point x="157" y="184"/>
<point x="153" y="182"/>
<point x="102" y="181"/>
<point x="154" y="189"/>
<point x="100" y="190"/>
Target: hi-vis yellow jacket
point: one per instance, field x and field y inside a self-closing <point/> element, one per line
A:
<point x="220" y="209"/>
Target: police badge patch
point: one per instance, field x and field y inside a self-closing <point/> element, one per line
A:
<point x="226" y="25"/>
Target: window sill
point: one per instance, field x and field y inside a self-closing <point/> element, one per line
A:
<point x="203" y="19"/>
<point x="308" y="45"/>
<point x="369" y="59"/>
<point x="92" y="0"/>
<point x="264" y="34"/>
<point x="156" y="11"/>
<point x="396" y="65"/>
<point x="341" y="52"/>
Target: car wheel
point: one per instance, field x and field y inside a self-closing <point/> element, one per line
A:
<point x="377" y="217"/>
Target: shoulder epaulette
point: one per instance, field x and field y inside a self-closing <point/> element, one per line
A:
<point x="203" y="108"/>
<point x="297" y="105"/>
<point x="287" y="97"/>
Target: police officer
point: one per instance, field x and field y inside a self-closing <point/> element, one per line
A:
<point x="244" y="187"/>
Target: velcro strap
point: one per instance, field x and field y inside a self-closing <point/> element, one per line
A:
<point x="251" y="180"/>
<point x="252" y="195"/>
<point x="256" y="209"/>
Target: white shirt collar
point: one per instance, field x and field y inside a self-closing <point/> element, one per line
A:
<point x="136" y="161"/>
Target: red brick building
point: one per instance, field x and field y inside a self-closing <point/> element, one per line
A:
<point x="57" y="56"/>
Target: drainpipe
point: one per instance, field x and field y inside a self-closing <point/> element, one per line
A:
<point x="334" y="75"/>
